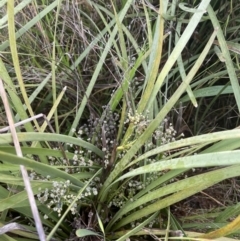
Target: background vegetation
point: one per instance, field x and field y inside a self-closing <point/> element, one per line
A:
<point x="126" y="120"/>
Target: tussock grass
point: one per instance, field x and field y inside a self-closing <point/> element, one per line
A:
<point x="140" y="102"/>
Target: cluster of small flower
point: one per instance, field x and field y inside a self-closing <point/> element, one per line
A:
<point x="165" y="133"/>
<point x="60" y="195"/>
<point x="89" y="192"/>
<point x="134" y="186"/>
<point x="57" y="196"/>
<point x="96" y="128"/>
<point x="73" y="165"/>
<point x="135" y="119"/>
<point x="117" y="201"/>
<point x="126" y="193"/>
<point x="102" y="132"/>
<point x="140" y="121"/>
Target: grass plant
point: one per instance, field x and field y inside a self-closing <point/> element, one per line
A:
<point x="125" y="118"/>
